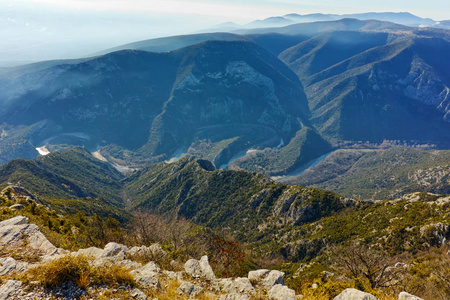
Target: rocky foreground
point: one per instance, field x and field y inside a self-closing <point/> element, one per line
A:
<point x="193" y="280"/>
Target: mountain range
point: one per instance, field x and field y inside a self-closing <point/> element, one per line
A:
<point x="269" y="100"/>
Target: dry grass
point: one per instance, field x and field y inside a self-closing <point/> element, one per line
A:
<point x="78" y="270"/>
<point x="169" y="292"/>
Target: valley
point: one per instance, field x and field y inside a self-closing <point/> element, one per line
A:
<point x="316" y="145"/>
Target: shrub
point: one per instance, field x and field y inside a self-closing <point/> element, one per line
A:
<point x="79" y="270"/>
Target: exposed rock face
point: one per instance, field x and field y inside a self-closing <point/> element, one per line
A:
<point x="354" y="294"/>
<point x="9" y="265"/>
<point x="114" y="249"/>
<point x="189" y="289"/>
<point x="238" y="286"/>
<point x="437" y="234"/>
<point x="199" y="268"/>
<point x="267" y="278"/>
<point x="138" y="294"/>
<point x="406" y="296"/>
<point x="9" y="289"/>
<point x="14" y="232"/>
<point x="281" y="292"/>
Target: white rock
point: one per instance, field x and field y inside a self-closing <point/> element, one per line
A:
<point x="9" y="265"/>
<point x="199" y="268"/>
<point x="19" y="220"/>
<point x="281" y="292"/>
<point x="89" y="252"/>
<point x="13" y="235"/>
<point x="257" y="275"/>
<point x="9" y="289"/>
<point x="189" y="289"/>
<point x="114" y="249"/>
<point x="406" y="296"/>
<point x="240" y="285"/>
<point x="147" y="275"/>
<point x="234" y="297"/>
<point x="138" y="294"/>
<point x="192" y="267"/>
<point x="274" y="277"/>
<point x="206" y="269"/>
<point x="354" y="294"/>
<point x="266" y="278"/>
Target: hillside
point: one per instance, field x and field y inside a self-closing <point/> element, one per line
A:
<point x="140" y="107"/>
<point x="379" y="174"/>
<point x="69" y="181"/>
<point x="261" y="223"/>
<point x="376" y="87"/>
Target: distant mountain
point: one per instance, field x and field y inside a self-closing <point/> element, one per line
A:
<point x="403" y="18"/>
<point x="175" y="42"/>
<point x="270" y="22"/>
<point x="312" y="29"/>
<point x="213" y="99"/>
<point x="366" y="86"/>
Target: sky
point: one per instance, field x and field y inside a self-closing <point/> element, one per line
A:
<point x="46" y="29"/>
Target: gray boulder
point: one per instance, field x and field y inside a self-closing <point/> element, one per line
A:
<point x="138" y="294"/>
<point x="93" y="252"/>
<point x="199" y="268"/>
<point x="9" y="265"/>
<point x="266" y="278"/>
<point x="9" y="289"/>
<point x="354" y="294"/>
<point x="257" y="275"/>
<point x="234" y="297"/>
<point x="19" y="220"/>
<point x="189" y="289"/>
<point x="240" y="285"/>
<point x="406" y="296"/>
<point x="147" y="275"/>
<point x="114" y="250"/>
<point x="14" y="232"/>
<point x="206" y="269"/>
<point x="281" y="292"/>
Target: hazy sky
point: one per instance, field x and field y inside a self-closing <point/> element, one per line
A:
<point x="47" y="29"/>
<point x="250" y="9"/>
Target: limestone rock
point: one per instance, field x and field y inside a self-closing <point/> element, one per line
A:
<point x="199" y="268"/>
<point x="89" y="252"/>
<point x="14" y="232"/>
<point x="192" y="267"/>
<point x="9" y="289"/>
<point x="281" y="292"/>
<point x="206" y="269"/>
<point x="267" y="278"/>
<point x="147" y="275"/>
<point x="138" y="294"/>
<point x="19" y="220"/>
<point x="9" y="265"/>
<point x="234" y="297"/>
<point x="406" y="296"/>
<point x="189" y="289"/>
<point x="17" y="206"/>
<point x="354" y="294"/>
<point x="114" y="249"/>
<point x="257" y="275"/>
<point x="240" y="285"/>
